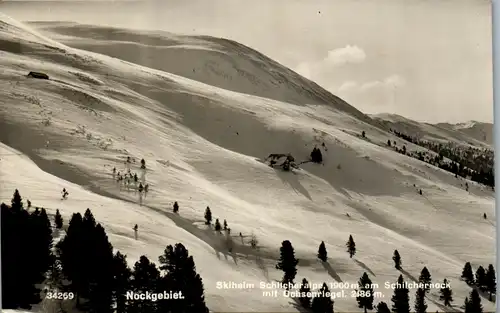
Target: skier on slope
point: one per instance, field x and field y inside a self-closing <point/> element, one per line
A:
<point x="135" y="231"/>
<point x="64" y="193"/>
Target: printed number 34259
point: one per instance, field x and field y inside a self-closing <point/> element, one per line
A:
<point x="59" y="295"/>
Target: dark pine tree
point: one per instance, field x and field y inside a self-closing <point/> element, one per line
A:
<point x="389" y="142"/>
<point x="420" y="306"/>
<point x="425" y="278"/>
<point x="351" y="246"/>
<point x="322" y="254"/>
<point x="225" y="224"/>
<point x="473" y="305"/>
<point x="400" y="299"/>
<point x="397" y="260"/>
<point x="72" y="258"/>
<point x="491" y="282"/>
<point x="305" y="297"/>
<point x="467" y="274"/>
<point x="446" y="294"/>
<point x="481" y="278"/>
<point x="145" y="278"/>
<point x="58" y="220"/>
<point x="121" y="281"/>
<point x="176" y="207"/>
<point x="101" y="278"/>
<point x="19" y="274"/>
<point x="208" y="216"/>
<point x="17" y="201"/>
<point x="322" y="303"/>
<point x="143" y="164"/>
<point x="467" y="304"/>
<point x="365" y="293"/>
<point x="181" y="277"/>
<point x="217" y="225"/>
<point x="382" y="307"/>
<point x="316" y="156"/>
<point x="87" y="262"/>
<point x="42" y="243"/>
<point x="287" y="262"/>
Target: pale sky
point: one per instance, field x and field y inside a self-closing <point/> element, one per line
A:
<point x="428" y="60"/>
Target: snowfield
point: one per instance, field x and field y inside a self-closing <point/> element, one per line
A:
<point x="204" y="145"/>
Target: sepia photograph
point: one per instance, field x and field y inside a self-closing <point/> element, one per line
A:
<point x="259" y="156"/>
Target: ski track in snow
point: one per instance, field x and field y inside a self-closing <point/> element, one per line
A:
<point x="202" y="146"/>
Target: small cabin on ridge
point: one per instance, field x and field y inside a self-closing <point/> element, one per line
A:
<point x="38" y="75"/>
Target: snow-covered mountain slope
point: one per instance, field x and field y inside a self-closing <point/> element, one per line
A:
<point x="216" y="61"/>
<point x="474" y="133"/>
<point x="203" y="145"/>
<point x="477" y="130"/>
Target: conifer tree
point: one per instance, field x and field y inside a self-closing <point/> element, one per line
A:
<point x="143" y="164"/>
<point x="176" y="207"/>
<point x="225" y="224"/>
<point x="287" y="262"/>
<point x="397" y="260"/>
<point x="365" y="293"/>
<point x="467" y="274"/>
<point x="446" y="294"/>
<point x="217" y="225"/>
<point x="420" y="306"/>
<point x="351" y="246"/>
<point x="17" y="201"/>
<point x="305" y="298"/>
<point x="24" y="239"/>
<point x="322" y="254"/>
<point x="72" y="258"/>
<point x="121" y="281"/>
<point x="10" y="252"/>
<point x="467" y="305"/>
<point x="425" y="278"/>
<point x="490" y="281"/>
<point x="481" y="278"/>
<point x="208" y="216"/>
<point x="400" y="299"/>
<point x="382" y="307"/>
<point x="145" y="278"/>
<point x="473" y="303"/>
<point x="322" y="303"/>
<point x="101" y="275"/>
<point x="41" y="244"/>
<point x="316" y="155"/>
<point x="58" y="220"/>
<point x="181" y="275"/>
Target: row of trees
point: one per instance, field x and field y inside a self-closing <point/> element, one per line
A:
<point x="485" y="280"/>
<point x="26" y="253"/>
<point x="84" y="263"/>
<point x="217" y="225"/>
<point x="465" y="161"/>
